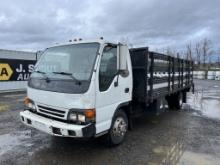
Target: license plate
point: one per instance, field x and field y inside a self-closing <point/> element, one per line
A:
<point x="40" y="125"/>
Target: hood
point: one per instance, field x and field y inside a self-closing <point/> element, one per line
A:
<point x="62" y="100"/>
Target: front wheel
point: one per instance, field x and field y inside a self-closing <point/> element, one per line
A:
<point x="118" y="130"/>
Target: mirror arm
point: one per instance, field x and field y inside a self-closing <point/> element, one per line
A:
<point x="116" y="82"/>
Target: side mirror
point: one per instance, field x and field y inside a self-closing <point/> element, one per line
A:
<point x="122" y="60"/>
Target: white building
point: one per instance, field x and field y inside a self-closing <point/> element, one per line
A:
<point x="15" y="67"/>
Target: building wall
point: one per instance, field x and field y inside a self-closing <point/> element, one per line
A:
<point x="21" y="55"/>
<point x="12" y="54"/>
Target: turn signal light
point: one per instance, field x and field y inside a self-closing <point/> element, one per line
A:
<point x="26" y="101"/>
<point x="90" y="113"/>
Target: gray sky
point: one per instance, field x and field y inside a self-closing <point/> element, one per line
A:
<point x="34" y="24"/>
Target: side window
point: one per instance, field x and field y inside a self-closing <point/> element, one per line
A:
<point x="108" y="67"/>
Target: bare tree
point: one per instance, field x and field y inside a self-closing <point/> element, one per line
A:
<point x="189" y="52"/>
<point x="171" y="52"/>
<point x="206" y="54"/>
<point x="168" y="51"/>
<point x="218" y="63"/>
<point x="206" y="50"/>
<point x="198" y="52"/>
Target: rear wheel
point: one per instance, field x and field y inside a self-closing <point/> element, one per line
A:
<point x="118" y="130"/>
<point x="184" y="97"/>
<point x="178" y="101"/>
<point x="175" y="101"/>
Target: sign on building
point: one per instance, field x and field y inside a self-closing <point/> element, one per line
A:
<point x="16" y="69"/>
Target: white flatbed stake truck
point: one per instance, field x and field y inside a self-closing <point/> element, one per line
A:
<point x="86" y="89"/>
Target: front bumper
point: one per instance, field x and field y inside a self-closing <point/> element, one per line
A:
<point x="57" y="128"/>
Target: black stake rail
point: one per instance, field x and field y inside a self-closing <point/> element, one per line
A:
<point x="156" y="75"/>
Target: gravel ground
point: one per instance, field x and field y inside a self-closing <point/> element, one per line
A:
<point x="189" y="136"/>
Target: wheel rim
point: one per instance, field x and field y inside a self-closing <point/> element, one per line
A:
<point x="119" y="127"/>
<point x="181" y="100"/>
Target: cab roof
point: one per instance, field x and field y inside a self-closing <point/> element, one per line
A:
<point x="100" y="41"/>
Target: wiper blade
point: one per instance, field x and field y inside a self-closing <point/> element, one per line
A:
<point x="44" y="74"/>
<point x="63" y="73"/>
<point x="70" y="75"/>
<point x="38" y="71"/>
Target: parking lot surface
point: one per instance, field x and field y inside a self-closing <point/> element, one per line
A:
<point x="189" y="136"/>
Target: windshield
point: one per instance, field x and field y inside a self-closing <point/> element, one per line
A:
<point x="62" y="61"/>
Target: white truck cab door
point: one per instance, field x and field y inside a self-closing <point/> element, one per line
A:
<point x="110" y="95"/>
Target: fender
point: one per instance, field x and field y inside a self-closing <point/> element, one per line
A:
<point x="127" y="107"/>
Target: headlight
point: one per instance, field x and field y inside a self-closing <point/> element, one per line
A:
<point x="73" y="116"/>
<point x="29" y="104"/>
<point x="81" y="116"/>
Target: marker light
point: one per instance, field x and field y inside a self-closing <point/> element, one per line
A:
<point x="90" y="113"/>
<point x="26" y="101"/>
<point x="29" y="104"/>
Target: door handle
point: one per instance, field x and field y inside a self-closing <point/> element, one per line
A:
<point x="126" y="90"/>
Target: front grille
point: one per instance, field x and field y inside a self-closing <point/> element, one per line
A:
<point x="51" y="112"/>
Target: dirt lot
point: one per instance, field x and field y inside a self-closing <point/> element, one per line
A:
<point x="189" y="136"/>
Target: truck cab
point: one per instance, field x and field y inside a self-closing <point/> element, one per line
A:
<point x="80" y="89"/>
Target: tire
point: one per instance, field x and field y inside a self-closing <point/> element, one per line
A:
<point x="170" y="102"/>
<point x="118" y="130"/>
<point x="178" y="101"/>
<point x="184" y="97"/>
<point x="175" y="101"/>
